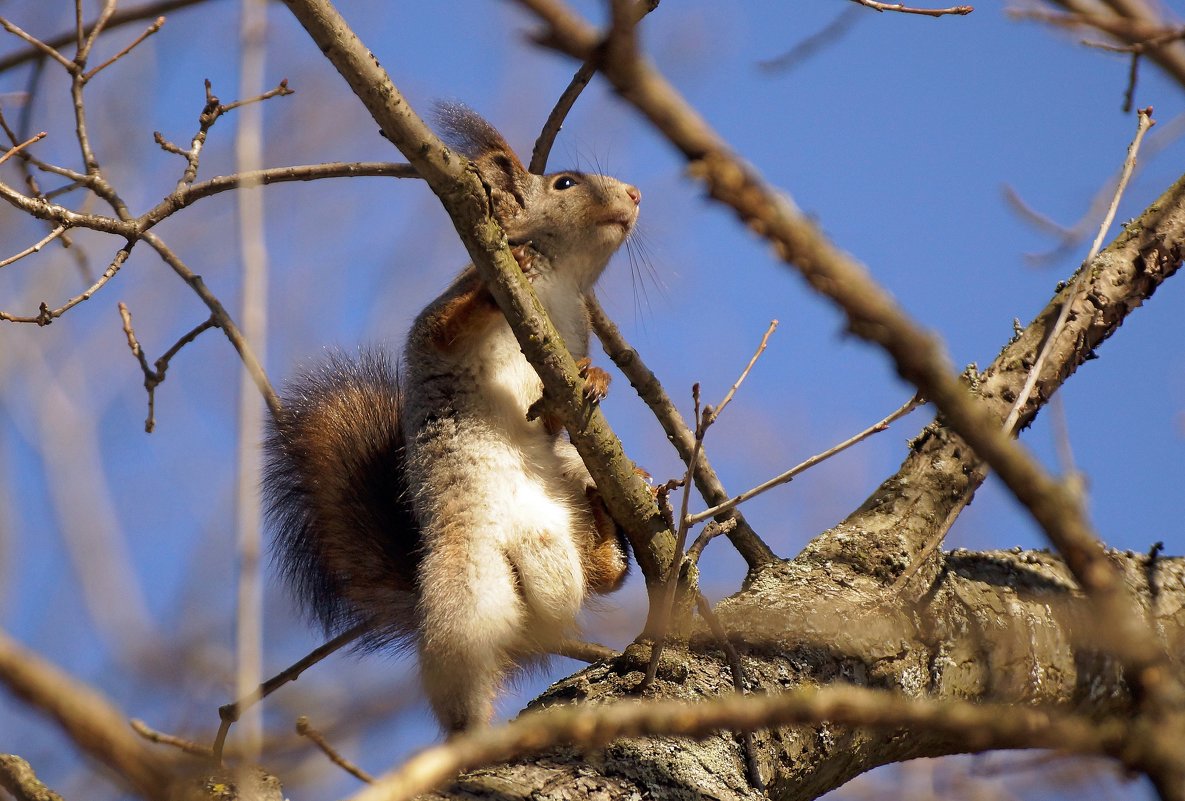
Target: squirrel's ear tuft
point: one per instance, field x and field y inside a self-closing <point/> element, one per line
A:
<point x="467" y="132"/>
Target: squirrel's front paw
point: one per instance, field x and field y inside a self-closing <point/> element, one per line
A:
<point x="596" y="380"/>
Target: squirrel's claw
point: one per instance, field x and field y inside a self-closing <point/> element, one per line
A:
<point x="596" y="386"/>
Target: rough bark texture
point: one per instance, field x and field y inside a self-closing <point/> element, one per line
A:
<point x="1002" y="626"/>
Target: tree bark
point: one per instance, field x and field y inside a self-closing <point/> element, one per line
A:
<point x="995" y="626"/>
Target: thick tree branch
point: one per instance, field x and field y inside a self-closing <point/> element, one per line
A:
<point x="88" y="719"/>
<point x="986" y="626"/>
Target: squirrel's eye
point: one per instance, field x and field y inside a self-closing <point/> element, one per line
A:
<point x="564" y="182"/>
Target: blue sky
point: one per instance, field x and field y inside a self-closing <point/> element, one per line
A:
<point x="899" y="139"/>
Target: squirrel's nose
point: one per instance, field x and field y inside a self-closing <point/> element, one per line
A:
<point x="635" y="194"/>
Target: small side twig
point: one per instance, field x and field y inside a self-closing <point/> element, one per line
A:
<point x="555" y="120"/>
<point x="121" y="17"/>
<point x="87" y="38"/>
<point x="1133" y="75"/>
<point x="152" y="735"/>
<point x="34" y="248"/>
<point x="229" y="713"/>
<point x="12" y="151"/>
<point x="41" y="47"/>
<point x="225" y="322"/>
<point x="1167" y="36"/>
<point x="1144" y="123"/>
<point x="925" y="12"/>
<point x="666" y="611"/>
<point x="805" y="48"/>
<point x="705" y="417"/>
<point x="732" y="391"/>
<point x="281" y="90"/>
<point x="211" y="112"/>
<point x="711" y="531"/>
<point x="790" y="474"/>
<point x="46" y="315"/>
<point x="153" y="28"/>
<point x="305" y="729"/>
<point x="154" y="377"/>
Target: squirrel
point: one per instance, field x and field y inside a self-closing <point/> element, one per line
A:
<point x="429" y="502"/>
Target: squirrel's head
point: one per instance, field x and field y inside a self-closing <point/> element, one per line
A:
<point x="577" y="220"/>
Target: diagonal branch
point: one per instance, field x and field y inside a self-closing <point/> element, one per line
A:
<point x="88" y="719"/>
<point x="120" y="17"/>
<point x="750" y="546"/>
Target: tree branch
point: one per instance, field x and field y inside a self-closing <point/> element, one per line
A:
<point x="121" y="17"/>
<point x="88" y="719"/>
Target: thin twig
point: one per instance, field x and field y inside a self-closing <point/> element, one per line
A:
<point x="732" y="391"/>
<point x="1144" y="122"/>
<point x="1133" y="75"/>
<point x="666" y="611"/>
<point x="46" y="315"/>
<point x="704" y="417"/>
<point x="229" y="713"/>
<point x="28" y="158"/>
<point x="154" y="377"/>
<point x="38" y="45"/>
<point x="1168" y="36"/>
<point x="12" y="151"/>
<point x="789" y="475"/>
<point x="1069" y="237"/>
<point x="305" y="729"/>
<point x="153" y="28"/>
<point x="711" y="531"/>
<point x="555" y="120"/>
<point x="926" y="12"/>
<point x="281" y="90"/>
<point x="87" y="38"/>
<point x="225" y="321"/>
<point x="52" y="235"/>
<point x="191" y="193"/>
<point x="152" y="735"/>
<point x="121" y="17"/>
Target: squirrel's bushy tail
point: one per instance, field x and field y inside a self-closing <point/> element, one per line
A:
<point x="335" y="490"/>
